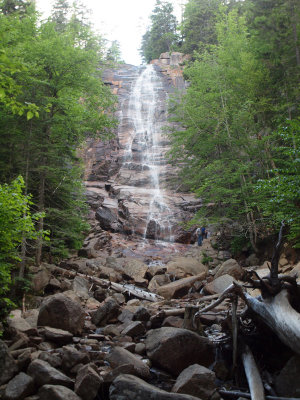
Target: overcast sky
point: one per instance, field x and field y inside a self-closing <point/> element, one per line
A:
<point x="122" y="20"/>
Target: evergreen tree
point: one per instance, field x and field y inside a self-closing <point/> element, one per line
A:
<point x="162" y="36"/>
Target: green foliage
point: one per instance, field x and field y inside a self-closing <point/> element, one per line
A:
<point x="16" y="224"/>
<point x="54" y="98"/>
<point x="161" y="36"/>
<point x="281" y="191"/>
<point x="206" y="259"/>
<point x="113" y="54"/>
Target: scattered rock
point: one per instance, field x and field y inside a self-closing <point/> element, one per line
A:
<point x="58" y="335"/>
<point x="87" y="383"/>
<point x="43" y="373"/>
<point x="58" y="311"/>
<point x="56" y="392"/>
<point x="21" y="386"/>
<point x="81" y="287"/>
<point x="136" y="328"/>
<point x="230" y="267"/>
<point x="109" y="310"/>
<point x="120" y="356"/>
<point x="72" y="357"/>
<point x="129" y="387"/>
<point x="157" y="281"/>
<point x="175" y="349"/>
<point x="196" y="380"/>
<point x="218" y="285"/>
<point x="8" y="366"/>
<point x="184" y="266"/>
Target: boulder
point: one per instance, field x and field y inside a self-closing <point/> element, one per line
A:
<point x="53" y="359"/>
<point x="141" y="314"/>
<point x="87" y="383"/>
<point x="21" y="325"/>
<point x="287" y="383"/>
<point x="59" y="311"/>
<point x="8" y="366"/>
<point x="219" y="285"/>
<point x="21" y="386"/>
<point x="108" y="220"/>
<point x="41" y="279"/>
<point x="108" y="310"/>
<point x="179" y="288"/>
<point x="173" y="321"/>
<point x="58" y="335"/>
<point x="134" y="269"/>
<point x="129" y="387"/>
<point x="119" y="356"/>
<point x="174" y="349"/>
<point x="72" y="357"/>
<point x="43" y="373"/>
<point x="230" y="267"/>
<point x="157" y="281"/>
<point x="196" y="380"/>
<point x="135" y="328"/>
<point x="56" y="392"/>
<point x="184" y="266"/>
<point x="81" y="287"/>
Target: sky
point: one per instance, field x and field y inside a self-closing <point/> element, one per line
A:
<point x="123" y="20"/>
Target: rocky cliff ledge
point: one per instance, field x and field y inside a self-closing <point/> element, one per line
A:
<point x="120" y="185"/>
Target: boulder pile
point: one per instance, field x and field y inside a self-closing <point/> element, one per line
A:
<point x="116" y="328"/>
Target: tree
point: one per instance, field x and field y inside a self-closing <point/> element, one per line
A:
<point x="199" y="24"/>
<point x="162" y="36"/>
<point x="16" y="222"/>
<point x="113" y="54"/>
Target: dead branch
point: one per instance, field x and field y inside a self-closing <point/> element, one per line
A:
<point x="253" y="376"/>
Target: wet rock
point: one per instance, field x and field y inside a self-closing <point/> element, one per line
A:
<point x="136" y="328"/>
<point x="287" y="383"/>
<point x="8" y="366"/>
<point x="87" y="383"/>
<point x="58" y="311"/>
<point x="219" y="285"/>
<point x="230" y="267"/>
<point x="56" y="392"/>
<point x="184" y="266"/>
<point x="129" y="387"/>
<point x="43" y="373"/>
<point x="58" y="335"/>
<point x="19" y="387"/>
<point x="120" y="356"/>
<point x="179" y="288"/>
<point x="72" y="356"/>
<point x="109" y="310"/>
<point x="108" y="220"/>
<point x="174" y="349"/>
<point x="197" y="381"/>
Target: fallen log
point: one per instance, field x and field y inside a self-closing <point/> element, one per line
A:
<point x="118" y="287"/>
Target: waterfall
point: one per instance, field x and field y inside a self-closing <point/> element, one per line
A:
<point x="143" y="151"/>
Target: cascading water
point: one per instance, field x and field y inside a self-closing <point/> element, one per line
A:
<point x="143" y="150"/>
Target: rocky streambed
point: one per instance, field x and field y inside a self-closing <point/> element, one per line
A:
<point x="121" y="328"/>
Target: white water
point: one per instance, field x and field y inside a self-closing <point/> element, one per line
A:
<point x="143" y="108"/>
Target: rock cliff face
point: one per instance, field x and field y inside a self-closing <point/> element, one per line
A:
<point x="131" y="188"/>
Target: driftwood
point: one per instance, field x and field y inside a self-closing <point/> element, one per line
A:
<point x="121" y="288"/>
<point x="253" y="377"/>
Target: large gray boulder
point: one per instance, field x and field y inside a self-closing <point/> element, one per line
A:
<point x="174" y="349"/>
<point x="59" y="311"/>
<point x="230" y="267"/>
<point x="129" y="387"/>
<point x="196" y="380"/>
<point x="8" y="366"/>
<point x="43" y="373"/>
<point x="57" y="392"/>
<point x="21" y="386"/>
